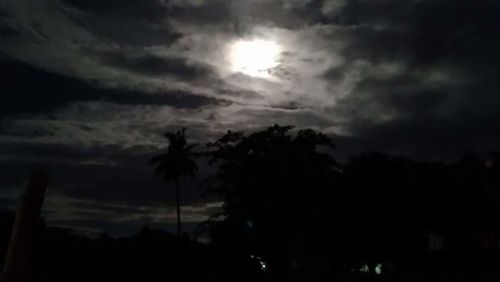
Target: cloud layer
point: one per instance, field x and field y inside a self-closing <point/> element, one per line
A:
<point x="90" y="86"/>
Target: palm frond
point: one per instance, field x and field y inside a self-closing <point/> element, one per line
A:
<point x="177" y="162"/>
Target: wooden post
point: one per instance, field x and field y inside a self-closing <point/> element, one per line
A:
<point x="16" y="268"/>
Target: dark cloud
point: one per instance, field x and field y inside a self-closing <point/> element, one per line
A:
<point x="6" y="28"/>
<point x="28" y="89"/>
<point x="65" y="153"/>
<point x="432" y="122"/>
<point x="101" y="174"/>
<point x="97" y="207"/>
<point x="129" y="33"/>
<point x="6" y="31"/>
<point x="121" y="228"/>
<point x="443" y="99"/>
<point x="97" y="225"/>
<point x="130" y="184"/>
<point x="101" y="187"/>
<point x="370" y="43"/>
<point x="428" y="137"/>
<point x="133" y="23"/>
<point x="403" y="94"/>
<point x="414" y="77"/>
<point x="422" y="32"/>
<point x="146" y="10"/>
<point x="216" y="12"/>
<point x="238" y="17"/>
<point x="374" y="13"/>
<point x="147" y="64"/>
<point x="456" y="32"/>
<point x="335" y="74"/>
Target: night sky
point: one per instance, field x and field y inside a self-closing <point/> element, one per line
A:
<point x="89" y="86"/>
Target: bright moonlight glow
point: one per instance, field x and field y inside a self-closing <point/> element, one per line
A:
<point x="254" y="58"/>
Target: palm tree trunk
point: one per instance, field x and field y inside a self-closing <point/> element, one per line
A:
<point x="178" y="198"/>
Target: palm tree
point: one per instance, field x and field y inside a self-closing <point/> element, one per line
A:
<point x="176" y="164"/>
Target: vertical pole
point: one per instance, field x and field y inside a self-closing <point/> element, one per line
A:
<point x="16" y="268"/>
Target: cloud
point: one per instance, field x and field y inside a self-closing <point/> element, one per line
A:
<point x="128" y="23"/>
<point x="85" y="193"/>
<point x="415" y="81"/>
<point x="94" y="84"/>
<point x="122" y="219"/>
<point x="332" y="8"/>
<point x="32" y="90"/>
<point x="148" y="10"/>
<point x="352" y="63"/>
<point x="148" y="64"/>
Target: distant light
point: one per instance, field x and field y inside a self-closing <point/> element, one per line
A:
<point x="365" y="269"/>
<point x="249" y="224"/>
<point x="263" y="265"/>
<point x="378" y="269"/>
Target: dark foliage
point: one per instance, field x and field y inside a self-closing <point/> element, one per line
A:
<point x="292" y="213"/>
<point x="289" y="203"/>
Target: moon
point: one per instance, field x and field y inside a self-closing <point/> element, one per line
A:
<point x="254" y="57"/>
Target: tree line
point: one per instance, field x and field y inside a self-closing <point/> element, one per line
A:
<point x="293" y="212"/>
<point x="289" y="203"/>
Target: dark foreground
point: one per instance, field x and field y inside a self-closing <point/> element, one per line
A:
<point x="152" y="255"/>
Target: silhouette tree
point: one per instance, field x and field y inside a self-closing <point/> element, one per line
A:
<point x="275" y="185"/>
<point x="176" y="165"/>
